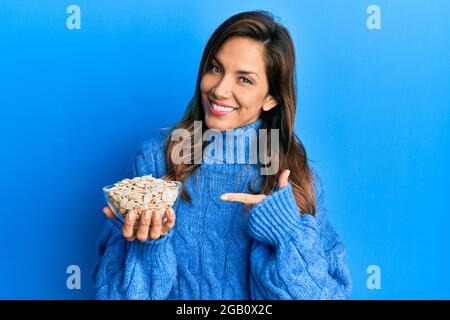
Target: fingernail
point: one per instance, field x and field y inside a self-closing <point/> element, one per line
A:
<point x="147" y="214"/>
<point x="224" y="197"/>
<point x="289" y="172"/>
<point x="158" y="215"/>
<point x="131" y="215"/>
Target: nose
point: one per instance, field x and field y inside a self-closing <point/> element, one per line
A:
<point x="222" y="90"/>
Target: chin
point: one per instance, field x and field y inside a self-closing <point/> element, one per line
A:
<point x="216" y="124"/>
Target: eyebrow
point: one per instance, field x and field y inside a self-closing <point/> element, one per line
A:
<point x="239" y="71"/>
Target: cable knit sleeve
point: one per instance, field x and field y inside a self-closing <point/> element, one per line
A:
<point x="295" y="256"/>
<point x="134" y="269"/>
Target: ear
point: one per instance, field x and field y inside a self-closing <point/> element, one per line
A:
<point x="269" y="103"/>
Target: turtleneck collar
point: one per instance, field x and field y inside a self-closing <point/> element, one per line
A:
<point x="238" y="145"/>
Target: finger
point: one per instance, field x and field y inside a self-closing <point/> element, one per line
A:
<point x="108" y="213"/>
<point x="155" y="231"/>
<point x="283" y="179"/>
<point x="169" y="221"/>
<point x="128" y="226"/>
<point x="171" y="218"/>
<point x="243" y="197"/>
<point x="143" y="226"/>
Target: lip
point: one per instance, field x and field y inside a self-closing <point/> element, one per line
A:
<point x="217" y="112"/>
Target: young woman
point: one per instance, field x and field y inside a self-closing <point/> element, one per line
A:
<point x="238" y="234"/>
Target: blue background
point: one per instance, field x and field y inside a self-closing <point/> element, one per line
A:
<point x="373" y="113"/>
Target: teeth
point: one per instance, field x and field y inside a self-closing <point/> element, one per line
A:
<point x="220" y="108"/>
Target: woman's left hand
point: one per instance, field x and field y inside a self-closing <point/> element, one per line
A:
<point x="251" y="199"/>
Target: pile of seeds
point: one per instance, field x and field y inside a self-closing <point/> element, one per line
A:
<point x="142" y="193"/>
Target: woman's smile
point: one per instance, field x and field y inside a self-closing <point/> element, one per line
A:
<point x="219" y="109"/>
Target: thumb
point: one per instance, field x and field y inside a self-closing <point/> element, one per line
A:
<point x="283" y="179"/>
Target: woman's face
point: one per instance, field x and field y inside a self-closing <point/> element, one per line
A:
<point x="234" y="88"/>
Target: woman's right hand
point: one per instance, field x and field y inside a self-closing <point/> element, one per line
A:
<point x="150" y="224"/>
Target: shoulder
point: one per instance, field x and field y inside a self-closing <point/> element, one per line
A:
<point x="319" y="196"/>
<point x="150" y="157"/>
<point x="327" y="231"/>
<point x="317" y="183"/>
<point x="152" y="145"/>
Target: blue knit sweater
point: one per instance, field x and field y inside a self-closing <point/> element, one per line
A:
<point x="218" y="250"/>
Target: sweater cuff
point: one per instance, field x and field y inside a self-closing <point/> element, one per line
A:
<point x="160" y="240"/>
<point x="276" y="220"/>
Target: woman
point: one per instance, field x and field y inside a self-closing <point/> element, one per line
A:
<point x="238" y="234"/>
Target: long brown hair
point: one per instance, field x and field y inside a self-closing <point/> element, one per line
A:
<point x="280" y="69"/>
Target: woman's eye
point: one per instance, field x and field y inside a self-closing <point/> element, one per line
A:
<point x="246" y="80"/>
<point x="214" y="68"/>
